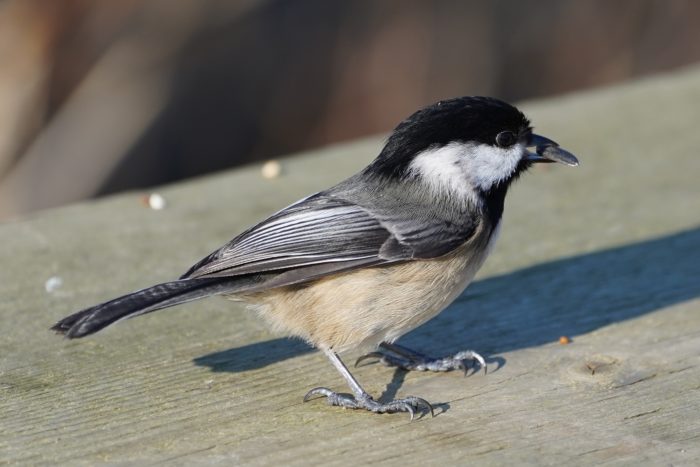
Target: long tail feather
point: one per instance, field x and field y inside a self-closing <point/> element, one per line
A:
<point x="154" y="298"/>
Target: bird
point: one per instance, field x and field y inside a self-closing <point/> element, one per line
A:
<point x="360" y="264"/>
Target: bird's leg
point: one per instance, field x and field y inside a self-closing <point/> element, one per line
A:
<point x="361" y="399"/>
<point x="407" y="359"/>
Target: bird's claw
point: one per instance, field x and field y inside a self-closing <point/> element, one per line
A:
<point x="410" y="360"/>
<point x="410" y="404"/>
<point x="377" y="355"/>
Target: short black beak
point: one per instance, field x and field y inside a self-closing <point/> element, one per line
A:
<point x="547" y="150"/>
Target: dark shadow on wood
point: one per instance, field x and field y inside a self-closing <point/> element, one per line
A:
<point x="566" y="297"/>
<point x="534" y="305"/>
<point x="392" y="389"/>
<point x="252" y="356"/>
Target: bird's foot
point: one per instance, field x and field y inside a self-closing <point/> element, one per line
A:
<point x="409" y="404"/>
<point x="407" y="359"/>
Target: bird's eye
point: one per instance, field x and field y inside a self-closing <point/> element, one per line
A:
<point x="505" y="139"/>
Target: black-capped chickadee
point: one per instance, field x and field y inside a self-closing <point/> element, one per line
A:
<point x="366" y="261"/>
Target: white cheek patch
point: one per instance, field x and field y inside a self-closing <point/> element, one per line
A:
<point x="458" y="168"/>
<point x="443" y="169"/>
<point x="489" y="165"/>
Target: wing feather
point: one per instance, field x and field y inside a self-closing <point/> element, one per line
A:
<point x="333" y="231"/>
<point x="313" y="231"/>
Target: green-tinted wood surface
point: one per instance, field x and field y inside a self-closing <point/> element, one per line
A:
<point x="607" y="254"/>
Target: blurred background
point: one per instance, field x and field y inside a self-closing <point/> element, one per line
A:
<point x="103" y="96"/>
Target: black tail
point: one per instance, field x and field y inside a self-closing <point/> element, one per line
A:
<point x="144" y="301"/>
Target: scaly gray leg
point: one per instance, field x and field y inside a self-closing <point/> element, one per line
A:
<point x="361" y="399"/>
<point x="407" y="359"/>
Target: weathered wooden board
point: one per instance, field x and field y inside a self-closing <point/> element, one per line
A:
<point x="607" y="254"/>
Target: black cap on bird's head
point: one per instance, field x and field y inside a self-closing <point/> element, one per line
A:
<point x="481" y="127"/>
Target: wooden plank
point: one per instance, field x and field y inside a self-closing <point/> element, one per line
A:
<point x="606" y="254"/>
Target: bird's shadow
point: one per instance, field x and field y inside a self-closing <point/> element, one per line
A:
<point x="533" y="305"/>
<point x="255" y="355"/>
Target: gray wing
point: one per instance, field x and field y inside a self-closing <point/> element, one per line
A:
<point x="322" y="235"/>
